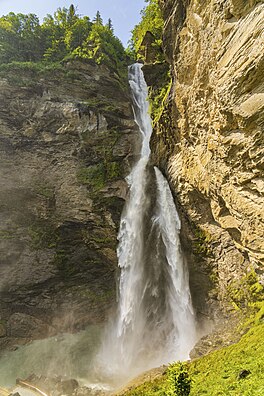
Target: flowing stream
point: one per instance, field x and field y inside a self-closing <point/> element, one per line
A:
<point x="155" y="322"/>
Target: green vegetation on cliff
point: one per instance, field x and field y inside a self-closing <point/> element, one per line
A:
<point x="152" y="23"/>
<point x="65" y="35"/>
<point x="146" y="44"/>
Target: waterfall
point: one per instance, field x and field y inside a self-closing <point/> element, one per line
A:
<point x="155" y="321"/>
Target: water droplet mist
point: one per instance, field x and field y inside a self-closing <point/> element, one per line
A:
<point x="155" y="322"/>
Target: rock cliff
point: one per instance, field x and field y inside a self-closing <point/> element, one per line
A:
<point x="66" y="134"/>
<point x="209" y="138"/>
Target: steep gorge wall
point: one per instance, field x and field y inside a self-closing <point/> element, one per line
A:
<point x="66" y="139"/>
<point x="209" y="139"/>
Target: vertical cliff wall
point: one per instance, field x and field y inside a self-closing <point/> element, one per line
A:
<point x="66" y="133"/>
<point x="209" y="138"/>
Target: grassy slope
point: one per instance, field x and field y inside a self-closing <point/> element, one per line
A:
<point x="218" y="373"/>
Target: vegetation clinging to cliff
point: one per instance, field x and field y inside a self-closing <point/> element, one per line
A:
<point x="61" y="36"/>
<point x="151" y="21"/>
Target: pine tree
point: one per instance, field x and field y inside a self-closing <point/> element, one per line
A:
<point x="98" y="19"/>
<point x="71" y="13"/>
<point x="110" y="25"/>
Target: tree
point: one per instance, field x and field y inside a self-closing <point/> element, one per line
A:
<point x="65" y="34"/>
<point x="20" y="38"/>
<point x="61" y="37"/>
<point x="109" y="25"/>
<point x="71" y="14"/>
<point x="102" y="46"/>
<point x="78" y="33"/>
<point x="151" y="21"/>
<point x="179" y="381"/>
<point x="32" y="49"/>
<point x="98" y="19"/>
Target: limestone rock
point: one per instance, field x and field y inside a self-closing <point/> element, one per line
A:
<point x="212" y="150"/>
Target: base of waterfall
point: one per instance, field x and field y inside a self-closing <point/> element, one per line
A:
<point x="57" y="386"/>
<point x="39" y="385"/>
<point x="64" y="365"/>
<point x="64" y="356"/>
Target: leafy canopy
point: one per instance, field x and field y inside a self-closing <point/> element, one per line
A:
<point x="151" y="20"/>
<point x="63" y="35"/>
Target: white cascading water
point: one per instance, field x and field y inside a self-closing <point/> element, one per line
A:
<point x="155" y="322"/>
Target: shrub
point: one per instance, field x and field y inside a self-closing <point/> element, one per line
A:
<point x="179" y="381"/>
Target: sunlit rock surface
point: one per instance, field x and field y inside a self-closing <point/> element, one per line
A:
<point x="65" y="146"/>
<point x="212" y="145"/>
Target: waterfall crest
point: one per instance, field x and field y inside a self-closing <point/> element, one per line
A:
<point x="155" y="321"/>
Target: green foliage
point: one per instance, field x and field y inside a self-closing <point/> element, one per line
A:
<point x="245" y="291"/>
<point x="20" y="38"/>
<point x="61" y="36"/>
<point x="156" y="387"/>
<point x="201" y="243"/>
<point x="219" y="372"/>
<point x="101" y="46"/>
<point x="96" y="176"/>
<point x="109" y="25"/>
<point x="151" y="21"/>
<point x="93" y="176"/>
<point x="42" y="235"/>
<point x="98" y="19"/>
<point x="27" y="74"/>
<point x="179" y="381"/>
<point x="158" y="96"/>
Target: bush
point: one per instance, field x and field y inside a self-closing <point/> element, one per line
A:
<point x="179" y="381"/>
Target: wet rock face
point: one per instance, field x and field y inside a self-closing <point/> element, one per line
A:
<point x="215" y="49"/>
<point x="66" y="139"/>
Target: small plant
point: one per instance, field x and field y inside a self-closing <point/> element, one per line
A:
<point x="246" y="291"/>
<point x="179" y="380"/>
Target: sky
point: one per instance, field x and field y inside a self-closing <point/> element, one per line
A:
<point x="125" y="14"/>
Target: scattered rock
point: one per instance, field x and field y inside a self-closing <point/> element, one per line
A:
<point x="67" y="387"/>
<point x="243" y="374"/>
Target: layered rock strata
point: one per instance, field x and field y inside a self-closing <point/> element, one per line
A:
<point x="209" y="139"/>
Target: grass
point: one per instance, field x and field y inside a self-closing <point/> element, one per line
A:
<point x="218" y="374"/>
